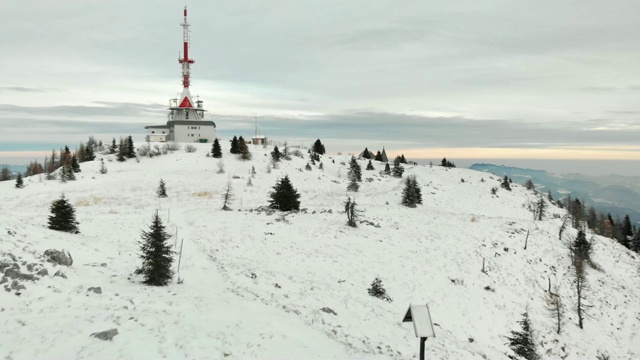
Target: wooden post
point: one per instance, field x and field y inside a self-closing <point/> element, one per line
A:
<point x="483" y="266"/>
<point x="180" y="258"/>
<point x="422" y="340"/>
<point x="526" y="240"/>
<point x="549" y="285"/>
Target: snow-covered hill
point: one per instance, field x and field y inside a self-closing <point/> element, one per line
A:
<point x="254" y="281"/>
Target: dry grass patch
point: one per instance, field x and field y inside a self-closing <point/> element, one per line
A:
<point x="203" y="194"/>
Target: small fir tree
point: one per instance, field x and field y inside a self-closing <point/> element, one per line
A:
<point x="286" y="153"/>
<point x="506" y="184"/>
<point x="216" y="150"/>
<point x="581" y="247"/>
<point x="353" y="185"/>
<point x="235" y="147"/>
<point x="227" y="197"/>
<point x="130" y="152"/>
<point x="411" y="194"/>
<point x="66" y="174"/>
<point x="220" y="167"/>
<point x="253" y="171"/>
<point x="63" y="216"/>
<point x="321" y="166"/>
<point x="121" y="151"/>
<point x="318" y="148"/>
<point x="103" y="168"/>
<point x="307" y="167"/>
<point x="284" y="196"/>
<point x="398" y="170"/>
<point x="162" y="190"/>
<point x="275" y="154"/>
<point x="75" y="165"/>
<point x="521" y="342"/>
<point x="402" y="159"/>
<point x="156" y="254"/>
<point x="352" y="212"/>
<point x="378" y="156"/>
<point x="113" y="148"/>
<point x="387" y="169"/>
<point x="355" y="171"/>
<point x="366" y="154"/>
<point x="370" y="165"/>
<point x="377" y="290"/>
<point x="529" y="185"/>
<point x="245" y="154"/>
<point x="19" y="181"/>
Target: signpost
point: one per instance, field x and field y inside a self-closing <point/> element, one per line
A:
<point x="422" y="325"/>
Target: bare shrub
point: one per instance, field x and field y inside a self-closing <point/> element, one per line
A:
<point x="172" y="146"/>
<point x="190" y="148"/>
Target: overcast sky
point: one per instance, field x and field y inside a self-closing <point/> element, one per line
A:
<point x="467" y="79"/>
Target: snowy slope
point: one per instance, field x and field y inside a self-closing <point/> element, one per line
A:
<point x="254" y="282"/>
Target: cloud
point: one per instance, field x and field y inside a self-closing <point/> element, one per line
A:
<point x="119" y="109"/>
<point x="28" y="89"/>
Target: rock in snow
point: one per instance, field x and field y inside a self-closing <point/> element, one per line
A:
<point x="105" y="335"/>
<point x="60" y="257"/>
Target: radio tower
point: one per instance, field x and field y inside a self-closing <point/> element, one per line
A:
<point x="186" y="64"/>
<point x="185" y="108"/>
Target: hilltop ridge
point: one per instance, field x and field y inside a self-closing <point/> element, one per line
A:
<point x="254" y="281"/>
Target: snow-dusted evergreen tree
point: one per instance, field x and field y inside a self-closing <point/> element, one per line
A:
<point x="521" y="342"/>
<point x="355" y="171"/>
<point x="66" y="174"/>
<point x="63" y="216"/>
<point x="352" y="212"/>
<point x="387" y="169"/>
<point x="634" y="244"/>
<point x="398" y="170"/>
<point x="378" y="156"/>
<point x="249" y="182"/>
<point x="370" y="165"/>
<point x="235" y="146"/>
<point x="121" y="151"/>
<point x="113" y="148"/>
<point x="162" y="189"/>
<point x="227" y="197"/>
<point x="506" y="184"/>
<point x="353" y="185"/>
<point x="156" y="254"/>
<point x="286" y="153"/>
<point x="19" y="181"/>
<point x="284" y="196"/>
<point x="75" y="165"/>
<point x="275" y="154"/>
<point x="318" y="148"/>
<point x="411" y="194"/>
<point x="307" y="167"/>
<point x="220" y="167"/>
<point x="245" y="154"/>
<point x="130" y="151"/>
<point x="529" y="185"/>
<point x="103" y="168"/>
<point x="253" y="171"/>
<point x="377" y="290"/>
<point x="216" y="150"/>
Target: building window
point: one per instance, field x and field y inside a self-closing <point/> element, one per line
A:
<point x="163" y="132"/>
<point x="153" y="132"/>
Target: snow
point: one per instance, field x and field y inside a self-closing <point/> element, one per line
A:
<point x="253" y="283"/>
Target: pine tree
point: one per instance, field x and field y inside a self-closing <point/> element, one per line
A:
<point x="113" y="147"/>
<point x="103" y="168"/>
<point x="370" y="165"/>
<point x="541" y="207"/>
<point x="529" y="185"/>
<point x="353" y="185"/>
<point x="352" y="212"/>
<point x="581" y="247"/>
<point x="89" y="154"/>
<point x="635" y="242"/>
<point x="75" y="165"/>
<point x="130" y="152"/>
<point x="411" y="194"/>
<point x="355" y="171"/>
<point x="66" y="174"/>
<point x="19" y="182"/>
<point x="521" y="342"/>
<point x="227" y="197"/>
<point x="156" y="254"/>
<point x="318" y="148"/>
<point x="549" y="196"/>
<point x="245" y="154"/>
<point x="121" y="151"/>
<point x="377" y="290"/>
<point x="506" y="184"/>
<point x="235" y="147"/>
<point x="378" y="156"/>
<point x="402" y="159"/>
<point x="63" y="216"/>
<point x="275" y="154"/>
<point x="284" y="196"/>
<point x="398" y="170"/>
<point x="627" y="230"/>
<point x="162" y="190"/>
<point x="216" y="150"/>
<point x="366" y="154"/>
<point x="286" y="153"/>
<point x="387" y="169"/>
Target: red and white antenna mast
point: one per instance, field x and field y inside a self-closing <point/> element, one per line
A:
<point x="185" y="61"/>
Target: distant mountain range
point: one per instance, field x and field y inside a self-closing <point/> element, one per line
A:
<point x="615" y="194"/>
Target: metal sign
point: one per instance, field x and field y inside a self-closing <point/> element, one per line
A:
<point x="421" y="318"/>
